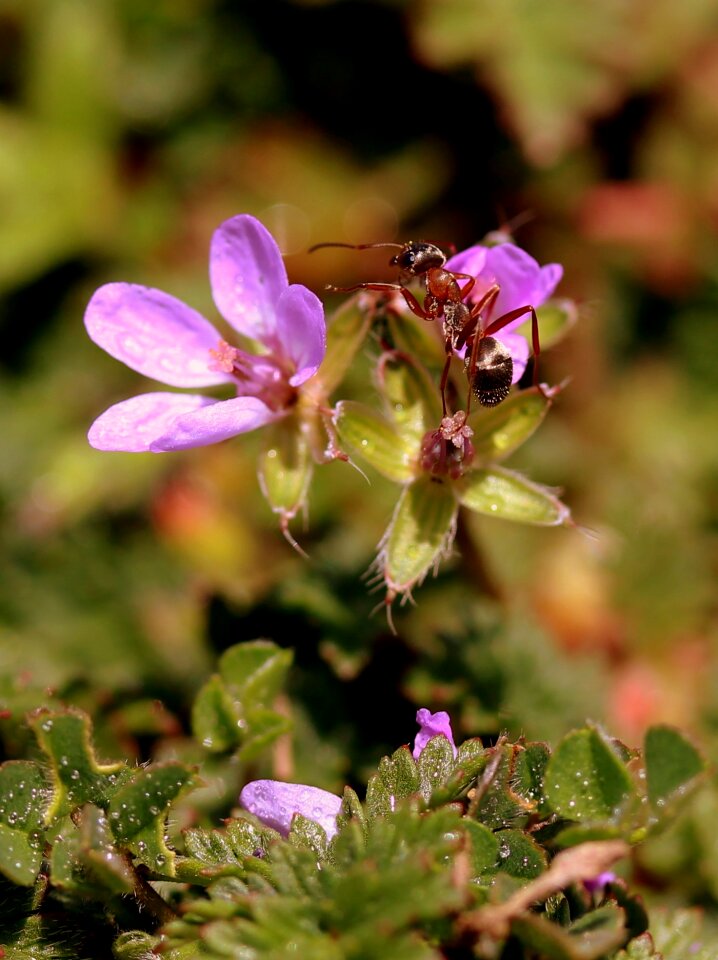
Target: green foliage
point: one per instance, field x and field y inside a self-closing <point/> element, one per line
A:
<point x="457" y="843"/>
<point x="233" y="709"/>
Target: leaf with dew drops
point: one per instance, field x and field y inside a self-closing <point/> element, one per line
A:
<point x="585" y="780"/>
<point x="138" y="811"/>
<point x="65" y="736"/>
<point x="672" y="764"/>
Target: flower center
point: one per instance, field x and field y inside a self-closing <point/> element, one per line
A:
<point x="256" y="375"/>
<point x="448" y="451"/>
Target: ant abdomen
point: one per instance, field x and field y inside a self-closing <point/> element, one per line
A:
<point x="494" y="372"/>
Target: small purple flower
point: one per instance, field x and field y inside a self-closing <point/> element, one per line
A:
<point x="432" y="725"/>
<point x="522" y="283"/>
<point x="601" y="880"/>
<point x="275" y="804"/>
<point x="163" y="338"/>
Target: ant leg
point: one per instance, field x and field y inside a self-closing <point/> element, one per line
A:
<point x="468" y="287"/>
<point x="363" y="286"/>
<point x="445" y="378"/>
<point x="485" y="303"/>
<point x="411" y="301"/>
<point x="509" y="317"/>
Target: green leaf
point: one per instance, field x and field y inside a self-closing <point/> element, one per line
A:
<point x="65" y="736"/>
<point x="594" y="936"/>
<point x="585" y="780"/>
<point x="528" y="772"/>
<point x="502" y="493"/>
<point x="672" y="763"/>
<point x="138" y="811"/>
<point x="519" y="855"/>
<point x="103" y="860"/>
<point x="420" y="534"/>
<point x="500" y="430"/>
<point x="484" y="847"/>
<point x="263" y="727"/>
<point x="434" y="765"/>
<point x="255" y="671"/>
<point x="20" y="858"/>
<point x="345" y="334"/>
<point x="215" y="719"/>
<point x="370" y="435"/>
<point x="285" y="466"/>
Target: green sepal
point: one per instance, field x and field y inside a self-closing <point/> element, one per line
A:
<point x="416" y="338"/>
<point x="411" y="398"/>
<point x="420" y="534"/>
<point x="672" y="764"/>
<point x="501" y="430"/>
<point x="585" y="779"/>
<point x="346" y="332"/>
<point x="502" y="493"/>
<point x="367" y="433"/>
<point x="66" y="738"/>
<point x="555" y="319"/>
<point x="285" y="466"/>
<point x="138" y="811"/>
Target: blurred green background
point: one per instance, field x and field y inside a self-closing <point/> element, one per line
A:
<point x="130" y="129"/>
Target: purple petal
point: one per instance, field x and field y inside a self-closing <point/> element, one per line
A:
<point x="519" y="347"/>
<point x="134" y="424"/>
<point x="520" y="278"/>
<point x="471" y="261"/>
<point x="248" y="277"/>
<point x="301" y="331"/>
<point x="275" y="804"/>
<point x="210" y="424"/>
<point x="597" y="883"/>
<point x="549" y="278"/>
<point x="432" y="725"/>
<point x="154" y="334"/>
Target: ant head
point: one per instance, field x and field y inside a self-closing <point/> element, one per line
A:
<point x="417" y="257"/>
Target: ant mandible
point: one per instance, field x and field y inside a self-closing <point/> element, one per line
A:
<point x="488" y="362"/>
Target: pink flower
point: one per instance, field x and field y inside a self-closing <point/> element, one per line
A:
<point x="522" y="283"/>
<point x="163" y="338"/>
<point x="432" y="725"/>
<point x="275" y="803"/>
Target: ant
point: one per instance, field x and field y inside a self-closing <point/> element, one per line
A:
<point x="488" y="362"/>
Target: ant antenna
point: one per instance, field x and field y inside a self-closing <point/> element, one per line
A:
<point x="354" y="246"/>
